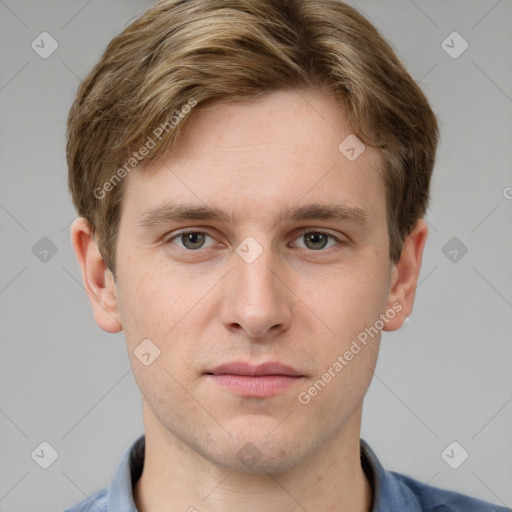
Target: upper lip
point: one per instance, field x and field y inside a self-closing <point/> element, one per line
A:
<point x="241" y="368"/>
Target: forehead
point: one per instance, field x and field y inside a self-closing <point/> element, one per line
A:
<point x="281" y="150"/>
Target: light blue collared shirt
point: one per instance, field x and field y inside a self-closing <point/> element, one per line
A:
<point x="392" y="491"/>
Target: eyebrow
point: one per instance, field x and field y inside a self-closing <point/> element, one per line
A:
<point x="315" y="211"/>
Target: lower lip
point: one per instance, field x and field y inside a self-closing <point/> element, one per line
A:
<point x="255" y="386"/>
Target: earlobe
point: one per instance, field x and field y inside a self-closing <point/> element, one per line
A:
<point x="405" y="274"/>
<point x="97" y="278"/>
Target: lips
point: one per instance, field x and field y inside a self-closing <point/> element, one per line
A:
<point x="264" y="369"/>
<point x="254" y="381"/>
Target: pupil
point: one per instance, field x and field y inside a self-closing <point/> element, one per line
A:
<point x="315" y="238"/>
<point x="193" y="240"/>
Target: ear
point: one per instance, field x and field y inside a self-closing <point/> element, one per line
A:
<point x="404" y="276"/>
<point x="98" y="279"/>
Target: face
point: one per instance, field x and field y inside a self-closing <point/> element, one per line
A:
<point x="282" y="258"/>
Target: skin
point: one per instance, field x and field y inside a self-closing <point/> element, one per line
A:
<point x="298" y="303"/>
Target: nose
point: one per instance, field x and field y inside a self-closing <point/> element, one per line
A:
<point x="255" y="299"/>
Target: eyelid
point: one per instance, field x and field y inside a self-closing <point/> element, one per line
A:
<point x="305" y="230"/>
<point x="169" y="239"/>
<point x="301" y="232"/>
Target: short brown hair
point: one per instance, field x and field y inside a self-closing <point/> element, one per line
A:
<point x="180" y="51"/>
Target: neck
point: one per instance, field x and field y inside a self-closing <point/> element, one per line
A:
<point x="176" y="478"/>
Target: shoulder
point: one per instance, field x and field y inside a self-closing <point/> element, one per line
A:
<point x="434" y="499"/>
<point x="95" y="503"/>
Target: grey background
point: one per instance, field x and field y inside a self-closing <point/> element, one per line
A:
<point x="445" y="376"/>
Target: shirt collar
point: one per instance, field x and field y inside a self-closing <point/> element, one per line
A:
<point x="129" y="470"/>
<point x="389" y="493"/>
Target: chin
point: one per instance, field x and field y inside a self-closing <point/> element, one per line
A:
<point x="257" y="453"/>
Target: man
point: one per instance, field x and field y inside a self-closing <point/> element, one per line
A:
<point x="251" y="178"/>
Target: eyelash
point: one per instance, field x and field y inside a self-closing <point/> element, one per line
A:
<point x="304" y="231"/>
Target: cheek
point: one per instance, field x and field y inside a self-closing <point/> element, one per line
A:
<point x="345" y="356"/>
<point x="349" y="300"/>
<point x="155" y="319"/>
<point x="162" y="306"/>
<point x="149" y="297"/>
<point x="349" y="308"/>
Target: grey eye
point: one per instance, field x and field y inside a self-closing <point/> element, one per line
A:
<point x="317" y="240"/>
<point x="191" y="240"/>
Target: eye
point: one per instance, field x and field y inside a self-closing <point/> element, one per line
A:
<point x="190" y="240"/>
<point x="318" y="240"/>
<point x="195" y="240"/>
